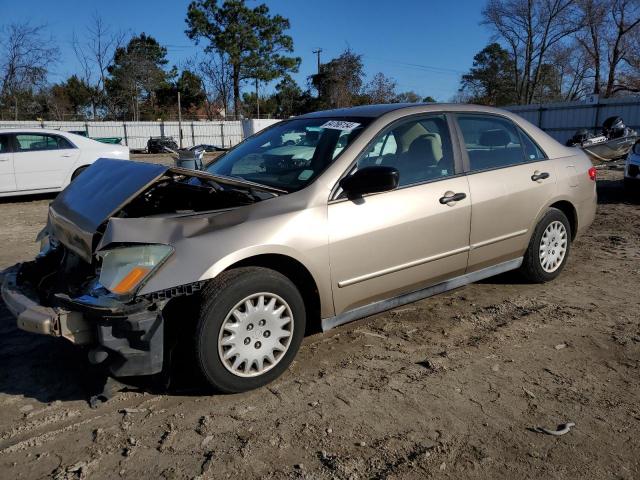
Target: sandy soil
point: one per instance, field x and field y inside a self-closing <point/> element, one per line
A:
<point x="444" y="388"/>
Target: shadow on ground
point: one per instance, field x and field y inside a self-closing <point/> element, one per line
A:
<point x="613" y="191"/>
<point x="28" y="198"/>
<point x="39" y="367"/>
<point x="49" y="369"/>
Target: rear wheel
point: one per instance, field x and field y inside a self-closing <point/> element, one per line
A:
<point x="548" y="248"/>
<point x="250" y="327"/>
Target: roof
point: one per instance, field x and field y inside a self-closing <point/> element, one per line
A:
<point x="376" y="111"/>
<point x="34" y="130"/>
<point x="373" y="111"/>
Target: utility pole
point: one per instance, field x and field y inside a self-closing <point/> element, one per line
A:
<point x="180" y="119"/>
<point x="257" y="100"/>
<point x="318" y="52"/>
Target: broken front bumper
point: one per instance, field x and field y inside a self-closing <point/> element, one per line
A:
<point x="128" y="338"/>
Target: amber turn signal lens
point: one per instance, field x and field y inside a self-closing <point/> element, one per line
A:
<point x="131" y="280"/>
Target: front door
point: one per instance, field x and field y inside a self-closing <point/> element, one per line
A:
<point x="395" y="242"/>
<point x="510" y="180"/>
<point x="42" y="161"/>
<point x="7" y="177"/>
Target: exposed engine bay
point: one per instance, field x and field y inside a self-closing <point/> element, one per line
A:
<point x="180" y="194"/>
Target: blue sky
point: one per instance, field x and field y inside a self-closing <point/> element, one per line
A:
<point x="425" y="45"/>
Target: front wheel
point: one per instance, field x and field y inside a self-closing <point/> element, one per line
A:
<point x="548" y="248"/>
<point x="250" y="327"/>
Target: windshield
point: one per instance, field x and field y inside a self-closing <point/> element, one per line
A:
<point x="290" y="154"/>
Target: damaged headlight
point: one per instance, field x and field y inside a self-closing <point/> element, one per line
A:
<point x="127" y="268"/>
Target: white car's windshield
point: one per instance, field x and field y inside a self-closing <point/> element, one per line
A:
<point x="290" y="154"/>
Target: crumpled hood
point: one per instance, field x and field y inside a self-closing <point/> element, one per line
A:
<point x="79" y="215"/>
<point x="97" y="194"/>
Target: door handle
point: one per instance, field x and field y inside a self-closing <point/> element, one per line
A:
<point x="65" y="155"/>
<point x="4" y="159"/>
<point x="451" y="198"/>
<point x="539" y="176"/>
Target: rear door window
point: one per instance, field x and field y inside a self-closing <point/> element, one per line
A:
<point x="4" y="144"/>
<point x="33" y="142"/>
<point x="491" y="141"/>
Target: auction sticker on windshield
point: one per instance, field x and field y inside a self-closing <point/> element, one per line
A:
<point x="340" y="125"/>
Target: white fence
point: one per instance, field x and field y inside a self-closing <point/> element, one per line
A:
<point x="136" y="134"/>
<point x="562" y="120"/>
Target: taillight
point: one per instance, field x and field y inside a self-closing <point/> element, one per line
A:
<point x="593" y="173"/>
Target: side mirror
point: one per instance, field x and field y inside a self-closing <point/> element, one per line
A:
<point x="370" y="180"/>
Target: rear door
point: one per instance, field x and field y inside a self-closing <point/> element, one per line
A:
<point x="7" y="176"/>
<point x="510" y="180"/>
<point x="42" y="160"/>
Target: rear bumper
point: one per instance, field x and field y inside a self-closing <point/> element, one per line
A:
<point x="130" y="340"/>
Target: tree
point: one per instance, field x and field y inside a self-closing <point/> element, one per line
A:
<point x="625" y="20"/>
<point x="72" y="97"/>
<point x="572" y="71"/>
<point x="631" y="77"/>
<point x="590" y="38"/>
<point x="192" y="94"/>
<point x="268" y="105"/>
<point x="530" y="28"/>
<point x="137" y="72"/>
<point x="217" y="83"/>
<point x="490" y="80"/>
<point x="292" y="100"/>
<point x="253" y="41"/>
<point x="381" y="89"/>
<point x="409" y="97"/>
<point x="339" y="82"/>
<point x="25" y="57"/>
<point x="95" y="52"/>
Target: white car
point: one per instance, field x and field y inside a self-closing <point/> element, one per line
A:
<point x="40" y="160"/>
<point x="632" y="170"/>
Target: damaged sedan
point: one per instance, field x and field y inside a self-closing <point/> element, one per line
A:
<point x="314" y="222"/>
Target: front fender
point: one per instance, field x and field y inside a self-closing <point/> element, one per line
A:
<point x="207" y="244"/>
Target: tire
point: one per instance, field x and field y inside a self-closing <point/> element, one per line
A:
<point x="78" y="172"/>
<point x="253" y="339"/>
<point x="554" y="226"/>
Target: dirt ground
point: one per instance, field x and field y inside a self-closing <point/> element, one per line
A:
<point x="444" y="388"/>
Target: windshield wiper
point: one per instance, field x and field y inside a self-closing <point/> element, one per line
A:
<point x="236" y="181"/>
<point x="248" y="183"/>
